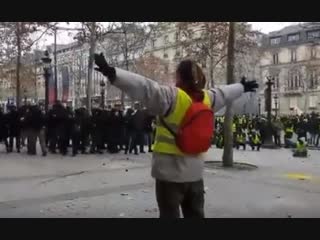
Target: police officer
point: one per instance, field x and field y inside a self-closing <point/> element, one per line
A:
<point x="35" y="124"/>
<point x="13" y="122"/>
<point x="96" y="131"/>
<point x="3" y="130"/>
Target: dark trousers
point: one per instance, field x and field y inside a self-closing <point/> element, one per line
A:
<point x="240" y="144"/>
<point x="277" y="140"/>
<point x="255" y="145"/>
<point x="17" y="140"/>
<point x="131" y="143"/>
<point x="148" y="136"/>
<point x="33" y="135"/>
<point x="97" y="141"/>
<point x="75" y="142"/>
<point x="190" y="196"/>
<point x="140" y="140"/>
<point x="5" y="141"/>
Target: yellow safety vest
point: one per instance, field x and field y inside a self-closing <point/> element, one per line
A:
<point x="240" y="138"/>
<point x="234" y="128"/>
<point x="301" y="147"/>
<point x="164" y="140"/>
<point x="289" y="129"/>
<point x="256" y="139"/>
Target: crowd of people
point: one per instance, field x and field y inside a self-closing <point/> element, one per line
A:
<point x="112" y="130"/>
<point x="253" y="130"/>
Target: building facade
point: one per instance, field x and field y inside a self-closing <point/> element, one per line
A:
<point x="291" y="57"/>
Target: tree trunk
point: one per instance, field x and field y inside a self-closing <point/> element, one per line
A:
<point x="18" y="32"/>
<point x="126" y="63"/>
<point x="211" y="72"/>
<point x="90" y="63"/>
<point x="227" y="157"/>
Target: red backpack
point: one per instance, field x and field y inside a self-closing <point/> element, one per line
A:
<point x="195" y="133"/>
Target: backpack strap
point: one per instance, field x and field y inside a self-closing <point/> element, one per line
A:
<point x="163" y="122"/>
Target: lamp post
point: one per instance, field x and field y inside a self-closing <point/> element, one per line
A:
<point x="25" y="96"/>
<point x="259" y="104"/>
<point x="102" y="85"/>
<point x="268" y="142"/>
<point x="46" y="69"/>
<point x="276" y="103"/>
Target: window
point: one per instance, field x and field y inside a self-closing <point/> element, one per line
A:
<point x="293" y="102"/>
<point x="313" y="79"/>
<point x="313" y="101"/>
<point x="313" y="52"/>
<point x="166" y="69"/>
<point x="275" y="58"/>
<point x="294" y="81"/>
<point x="153" y="43"/>
<point x="166" y="39"/>
<point x="165" y="54"/>
<point x="293" y="55"/>
<point x="293" y="37"/>
<point x="275" y="40"/>
<point x="276" y="83"/>
<point x="313" y="34"/>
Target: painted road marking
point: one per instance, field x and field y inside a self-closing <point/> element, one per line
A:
<point x="298" y="176"/>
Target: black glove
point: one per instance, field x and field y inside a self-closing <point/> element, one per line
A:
<point x="104" y="67"/>
<point x="249" y="86"/>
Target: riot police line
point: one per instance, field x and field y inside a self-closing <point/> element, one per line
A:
<point x="67" y="131"/>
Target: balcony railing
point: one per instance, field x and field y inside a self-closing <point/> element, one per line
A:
<point x="293" y="90"/>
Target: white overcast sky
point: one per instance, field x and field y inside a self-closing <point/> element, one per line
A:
<point x="65" y="37"/>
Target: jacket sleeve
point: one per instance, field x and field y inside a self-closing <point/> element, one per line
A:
<point x="223" y="95"/>
<point x="157" y="98"/>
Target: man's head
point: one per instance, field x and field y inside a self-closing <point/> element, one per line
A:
<point x="189" y="76"/>
<point x="137" y="106"/>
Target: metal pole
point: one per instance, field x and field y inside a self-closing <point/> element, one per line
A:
<point x="46" y="100"/>
<point x="55" y="66"/>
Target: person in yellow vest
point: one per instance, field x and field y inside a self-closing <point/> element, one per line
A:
<point x="178" y="177"/>
<point x="288" y="133"/>
<point x="255" y="140"/>
<point x="301" y="149"/>
<point x="241" y="139"/>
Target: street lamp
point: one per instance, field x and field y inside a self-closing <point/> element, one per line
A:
<point x="46" y="60"/>
<point x="102" y="85"/>
<point x="25" y="96"/>
<point x="276" y="103"/>
<point x="268" y="143"/>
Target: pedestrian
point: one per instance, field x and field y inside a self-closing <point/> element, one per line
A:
<point x="14" y="128"/>
<point x="36" y="130"/>
<point x="255" y="140"/>
<point x="179" y="177"/>
<point x="4" y="130"/>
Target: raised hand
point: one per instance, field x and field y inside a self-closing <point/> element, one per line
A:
<point x="249" y="86"/>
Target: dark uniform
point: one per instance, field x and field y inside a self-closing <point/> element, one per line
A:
<point x="13" y="123"/>
<point x="36" y="129"/>
<point x="97" y="125"/>
<point x="3" y="130"/>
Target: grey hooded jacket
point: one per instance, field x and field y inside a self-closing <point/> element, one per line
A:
<point x="159" y="100"/>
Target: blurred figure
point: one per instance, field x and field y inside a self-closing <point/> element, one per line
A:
<point x="301" y="149"/>
<point x="13" y="123"/>
<point x="3" y="130"/>
<point x="255" y="140"/>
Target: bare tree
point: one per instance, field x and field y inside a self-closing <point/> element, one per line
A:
<point x="125" y="41"/>
<point x="206" y="42"/>
<point x="228" y="136"/>
<point x="154" y="68"/>
<point x="16" y="39"/>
